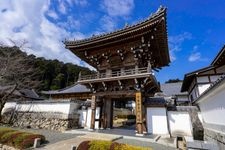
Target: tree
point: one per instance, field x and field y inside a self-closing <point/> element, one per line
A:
<point x="17" y="71"/>
<point x="173" y="80"/>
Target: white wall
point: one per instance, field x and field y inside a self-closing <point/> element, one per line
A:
<point x="179" y="123"/>
<point x="203" y="87"/>
<point x="212" y="106"/>
<point x="156" y="120"/>
<point x="9" y="106"/>
<point x="97" y="116"/>
<point x="83" y="117"/>
<point x="60" y="107"/>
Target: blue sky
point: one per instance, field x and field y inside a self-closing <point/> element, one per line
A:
<point x="196" y="28"/>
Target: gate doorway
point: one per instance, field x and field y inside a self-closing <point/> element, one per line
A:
<point x="124" y="114"/>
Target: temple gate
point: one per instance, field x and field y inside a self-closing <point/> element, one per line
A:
<point x="124" y="60"/>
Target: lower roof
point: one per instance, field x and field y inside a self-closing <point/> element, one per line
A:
<point x="73" y="89"/>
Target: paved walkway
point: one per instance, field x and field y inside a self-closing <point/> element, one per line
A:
<point x="59" y="141"/>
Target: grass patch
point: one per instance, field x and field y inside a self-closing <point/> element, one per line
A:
<point x="107" y="145"/>
<point x="18" y="139"/>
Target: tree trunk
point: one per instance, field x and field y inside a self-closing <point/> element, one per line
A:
<point x="4" y="99"/>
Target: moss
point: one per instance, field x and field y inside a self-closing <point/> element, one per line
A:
<point x="99" y="145"/>
<point x="18" y="139"/>
<point x="107" y="145"/>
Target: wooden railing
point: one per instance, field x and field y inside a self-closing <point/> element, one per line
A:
<point x="127" y="72"/>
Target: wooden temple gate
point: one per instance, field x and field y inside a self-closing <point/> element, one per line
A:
<point x="124" y="60"/>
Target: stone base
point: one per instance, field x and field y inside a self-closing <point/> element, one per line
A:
<point x="42" y="121"/>
<point x="216" y="137"/>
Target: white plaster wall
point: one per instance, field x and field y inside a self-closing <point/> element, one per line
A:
<point x="9" y="106"/>
<point x="157" y="120"/>
<point x="212" y="106"/>
<point x="203" y="87"/>
<point x="97" y="116"/>
<point x="179" y="123"/>
<point x="82" y="117"/>
<point x="214" y="78"/>
<point x="182" y="98"/>
<point x="202" y="79"/>
<point x="44" y="107"/>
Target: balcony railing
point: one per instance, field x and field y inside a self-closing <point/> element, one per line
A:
<point x="128" y="72"/>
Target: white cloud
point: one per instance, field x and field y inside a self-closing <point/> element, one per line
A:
<point x="108" y="23"/>
<point x="118" y="7"/>
<point x="194" y="57"/>
<point x="175" y="43"/>
<point x="52" y="14"/>
<point x="62" y="7"/>
<point x="26" y="20"/>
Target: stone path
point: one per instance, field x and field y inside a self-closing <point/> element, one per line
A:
<point x="53" y="136"/>
<point x="64" y="141"/>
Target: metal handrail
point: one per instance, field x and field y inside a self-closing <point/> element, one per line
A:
<point x="115" y="74"/>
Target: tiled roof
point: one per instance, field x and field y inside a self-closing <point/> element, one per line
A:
<point x="28" y="93"/>
<point x="76" y="88"/>
<point x="120" y="31"/>
<point x="171" y="89"/>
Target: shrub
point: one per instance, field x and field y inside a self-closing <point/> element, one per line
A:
<point x="99" y="145"/>
<point x="107" y="145"/>
<point x="18" y="139"/>
<point x="84" y="145"/>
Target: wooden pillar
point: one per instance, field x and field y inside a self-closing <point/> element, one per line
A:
<point x="103" y="116"/>
<point x="108" y="113"/>
<point x="93" y="108"/>
<point x="139" y="118"/>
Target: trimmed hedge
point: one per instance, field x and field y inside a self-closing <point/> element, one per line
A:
<point x="18" y="139"/>
<point x="107" y="145"/>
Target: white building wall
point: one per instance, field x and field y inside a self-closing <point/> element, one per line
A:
<point x="157" y="120"/>
<point x="97" y="116"/>
<point x="179" y="123"/>
<point x="212" y="106"/>
<point x="9" y="106"/>
<point x="203" y="87"/>
<point x="65" y="108"/>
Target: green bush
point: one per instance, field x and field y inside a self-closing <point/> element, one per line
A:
<point x="107" y="145"/>
<point x="99" y="145"/>
<point x="18" y="139"/>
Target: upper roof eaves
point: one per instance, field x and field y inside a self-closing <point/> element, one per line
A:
<point x="218" y="56"/>
<point x="153" y="17"/>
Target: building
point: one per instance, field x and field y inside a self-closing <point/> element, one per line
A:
<point x="124" y="60"/>
<point x="73" y="92"/>
<point x="207" y="91"/>
<point x="172" y="91"/>
<point x="196" y="82"/>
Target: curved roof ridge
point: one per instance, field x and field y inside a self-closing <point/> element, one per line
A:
<point x="152" y="16"/>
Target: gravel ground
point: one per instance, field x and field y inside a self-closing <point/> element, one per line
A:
<point x="53" y="136"/>
<point x="154" y="146"/>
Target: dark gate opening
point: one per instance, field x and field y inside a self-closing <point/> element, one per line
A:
<point x="124" y="115"/>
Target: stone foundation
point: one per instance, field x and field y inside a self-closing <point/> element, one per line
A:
<point x="50" y="121"/>
<point x="216" y="137"/>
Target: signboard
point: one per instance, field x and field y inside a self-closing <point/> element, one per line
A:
<point x="138" y="107"/>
